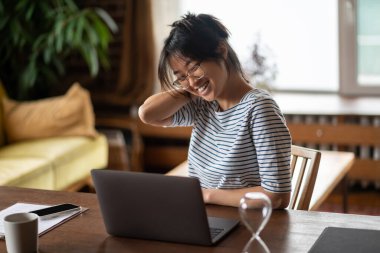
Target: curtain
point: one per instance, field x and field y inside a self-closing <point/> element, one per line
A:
<point x="136" y="74"/>
<point x="132" y="77"/>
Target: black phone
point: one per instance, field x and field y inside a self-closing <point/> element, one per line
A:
<point x="57" y="210"/>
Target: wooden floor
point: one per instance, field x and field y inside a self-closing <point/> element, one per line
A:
<point x="360" y="201"/>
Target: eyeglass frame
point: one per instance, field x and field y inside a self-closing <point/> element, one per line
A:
<point x="176" y="83"/>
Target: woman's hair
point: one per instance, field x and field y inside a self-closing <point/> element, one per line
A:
<point x="197" y="37"/>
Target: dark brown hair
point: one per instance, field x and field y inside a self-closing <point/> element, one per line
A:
<point x="197" y="37"/>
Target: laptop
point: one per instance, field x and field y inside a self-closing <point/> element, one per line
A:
<point x="157" y="207"/>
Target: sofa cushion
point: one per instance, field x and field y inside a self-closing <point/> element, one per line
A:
<point x="68" y="115"/>
<point x="71" y="157"/>
<point x="94" y="155"/>
<point x="26" y="172"/>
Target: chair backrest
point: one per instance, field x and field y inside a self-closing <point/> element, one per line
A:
<point x="304" y="169"/>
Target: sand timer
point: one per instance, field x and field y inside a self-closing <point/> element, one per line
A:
<point x="255" y="210"/>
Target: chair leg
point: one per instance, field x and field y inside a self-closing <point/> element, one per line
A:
<point x="345" y="194"/>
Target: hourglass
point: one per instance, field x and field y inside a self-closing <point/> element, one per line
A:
<point x="255" y="210"/>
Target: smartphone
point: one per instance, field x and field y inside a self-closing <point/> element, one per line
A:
<point x="57" y="210"/>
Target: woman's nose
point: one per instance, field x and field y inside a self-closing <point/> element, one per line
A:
<point x="192" y="81"/>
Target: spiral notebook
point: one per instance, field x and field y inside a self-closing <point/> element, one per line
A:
<point x="347" y="240"/>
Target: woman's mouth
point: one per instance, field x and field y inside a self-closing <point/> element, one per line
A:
<point x="203" y="88"/>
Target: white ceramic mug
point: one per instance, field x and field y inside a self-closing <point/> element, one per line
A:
<point x="21" y="233"/>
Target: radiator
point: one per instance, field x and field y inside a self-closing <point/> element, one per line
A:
<point x="361" y="151"/>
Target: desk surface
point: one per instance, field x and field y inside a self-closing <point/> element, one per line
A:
<point x="333" y="167"/>
<point x="287" y="231"/>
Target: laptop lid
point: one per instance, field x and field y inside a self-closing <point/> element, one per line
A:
<point x="156" y="207"/>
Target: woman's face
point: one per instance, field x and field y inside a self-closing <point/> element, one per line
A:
<point x="210" y="86"/>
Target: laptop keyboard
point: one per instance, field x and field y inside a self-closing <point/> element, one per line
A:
<point x="215" y="231"/>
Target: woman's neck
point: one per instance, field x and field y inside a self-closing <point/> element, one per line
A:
<point x="234" y="91"/>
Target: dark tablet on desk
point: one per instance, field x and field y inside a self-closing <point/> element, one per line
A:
<point x="347" y="240"/>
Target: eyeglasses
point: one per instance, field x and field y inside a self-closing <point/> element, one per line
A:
<point x="195" y="72"/>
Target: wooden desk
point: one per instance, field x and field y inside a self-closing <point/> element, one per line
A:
<point x="333" y="167"/>
<point x="287" y="231"/>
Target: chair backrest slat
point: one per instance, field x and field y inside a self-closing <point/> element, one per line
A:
<point x="306" y="162"/>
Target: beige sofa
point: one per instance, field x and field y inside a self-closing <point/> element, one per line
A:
<point x="53" y="163"/>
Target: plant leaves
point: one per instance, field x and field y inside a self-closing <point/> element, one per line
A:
<point x="29" y="75"/>
<point x="37" y="36"/>
<point x="30" y="11"/>
<point x="94" y="62"/>
<point x="79" y="30"/>
<point x="107" y="19"/>
<point x="103" y="32"/>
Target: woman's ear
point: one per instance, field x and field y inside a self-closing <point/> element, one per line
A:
<point x="223" y="50"/>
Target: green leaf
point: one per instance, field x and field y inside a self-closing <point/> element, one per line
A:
<point x="79" y="30"/>
<point x="71" y="5"/>
<point x="70" y="31"/>
<point x="47" y="54"/>
<point x="103" y="58"/>
<point x="4" y="22"/>
<point x="107" y="19"/>
<point x="21" y="4"/>
<point x="30" y="11"/>
<point x="60" y="23"/>
<point x="2" y="8"/>
<point x="91" y="57"/>
<point x="29" y="75"/>
<point x="38" y="43"/>
<point x="59" y="38"/>
<point x="94" y="66"/>
<point x="92" y="35"/>
<point x="50" y="40"/>
<point x="103" y="33"/>
<point x="16" y="28"/>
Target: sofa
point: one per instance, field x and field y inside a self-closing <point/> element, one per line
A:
<point x="45" y="156"/>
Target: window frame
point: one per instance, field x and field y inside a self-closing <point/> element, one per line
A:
<point x="348" y="48"/>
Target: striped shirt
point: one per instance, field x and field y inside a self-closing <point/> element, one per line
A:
<point x="247" y="145"/>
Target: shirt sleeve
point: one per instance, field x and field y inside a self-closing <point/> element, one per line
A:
<point x="185" y="116"/>
<point x="272" y="142"/>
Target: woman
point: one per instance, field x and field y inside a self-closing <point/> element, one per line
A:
<point x="240" y="142"/>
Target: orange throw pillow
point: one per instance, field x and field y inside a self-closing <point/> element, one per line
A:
<point x="68" y="115"/>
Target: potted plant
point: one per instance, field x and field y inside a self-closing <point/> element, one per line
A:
<point x="38" y="36"/>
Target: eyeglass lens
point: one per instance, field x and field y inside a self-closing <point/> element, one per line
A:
<point x="195" y="72"/>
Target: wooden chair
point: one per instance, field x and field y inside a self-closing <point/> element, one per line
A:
<point x="304" y="169"/>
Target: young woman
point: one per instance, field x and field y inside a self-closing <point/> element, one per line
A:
<point x="240" y="142"/>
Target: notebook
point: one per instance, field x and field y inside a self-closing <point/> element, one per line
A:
<point x="347" y="240"/>
<point x="44" y="225"/>
<point x="157" y="207"/>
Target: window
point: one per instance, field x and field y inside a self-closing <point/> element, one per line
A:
<point x="325" y="45"/>
<point x="360" y="46"/>
<point x="299" y="36"/>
